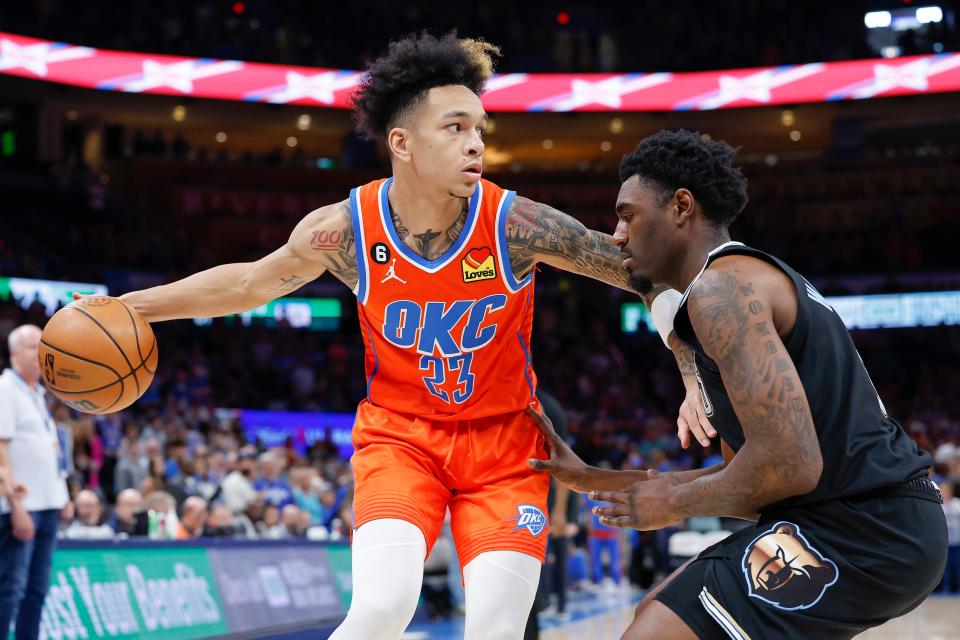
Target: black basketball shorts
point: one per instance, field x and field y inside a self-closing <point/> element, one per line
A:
<point x="827" y="571"/>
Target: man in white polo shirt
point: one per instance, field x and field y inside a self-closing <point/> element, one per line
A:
<point x="29" y="456"/>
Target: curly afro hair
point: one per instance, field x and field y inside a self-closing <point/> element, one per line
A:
<point x="395" y="83"/>
<point x="670" y="160"/>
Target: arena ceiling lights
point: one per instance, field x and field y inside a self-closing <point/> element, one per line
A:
<point x="885" y="28"/>
<point x="276" y="84"/>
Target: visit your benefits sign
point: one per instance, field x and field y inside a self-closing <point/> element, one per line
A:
<point x="132" y="593"/>
<point x="175" y="591"/>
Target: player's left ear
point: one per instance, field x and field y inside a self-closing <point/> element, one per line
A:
<point x="398" y="141"/>
<point x="682" y="205"/>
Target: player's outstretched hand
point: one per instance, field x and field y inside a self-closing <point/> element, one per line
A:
<point x="563" y="464"/>
<point x="693" y="420"/>
<point x="645" y="505"/>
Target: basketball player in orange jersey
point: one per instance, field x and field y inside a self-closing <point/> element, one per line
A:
<point x="442" y="264"/>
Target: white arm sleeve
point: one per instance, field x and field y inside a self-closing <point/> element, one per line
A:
<point x="663" y="310"/>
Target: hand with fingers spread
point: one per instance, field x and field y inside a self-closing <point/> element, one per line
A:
<point x="572" y="472"/>
<point x="563" y="464"/>
<point x="693" y="419"/>
<point x="645" y="505"/>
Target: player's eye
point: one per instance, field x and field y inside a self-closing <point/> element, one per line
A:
<point x="455" y="126"/>
<point x="480" y="130"/>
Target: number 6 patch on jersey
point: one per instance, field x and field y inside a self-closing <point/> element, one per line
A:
<point x="380" y="253"/>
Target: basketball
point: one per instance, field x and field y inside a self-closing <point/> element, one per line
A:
<point x="97" y="355"/>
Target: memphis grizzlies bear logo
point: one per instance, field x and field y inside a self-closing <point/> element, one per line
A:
<point x="784" y="570"/>
<point x="531" y="518"/>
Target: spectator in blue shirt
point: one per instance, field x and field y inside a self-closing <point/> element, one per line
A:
<point x="305" y="493"/>
<point x="176" y="449"/>
<point x="271" y="485"/>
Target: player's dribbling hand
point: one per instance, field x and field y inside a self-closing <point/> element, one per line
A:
<point x="645" y="505"/>
<point x="563" y="464"/>
<point x="693" y="420"/>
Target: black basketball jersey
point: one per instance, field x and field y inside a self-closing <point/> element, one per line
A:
<point x="863" y="449"/>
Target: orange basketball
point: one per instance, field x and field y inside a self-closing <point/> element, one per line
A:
<point x="97" y="355"/>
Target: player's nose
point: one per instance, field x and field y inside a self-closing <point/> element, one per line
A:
<point x="475" y="145"/>
<point x="620" y="235"/>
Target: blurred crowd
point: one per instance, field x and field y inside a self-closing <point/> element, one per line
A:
<point x="883" y="216"/>
<point x="215" y="489"/>
<point x="188" y="475"/>
<point x="546" y="37"/>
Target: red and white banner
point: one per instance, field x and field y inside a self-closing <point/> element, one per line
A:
<point x="257" y="82"/>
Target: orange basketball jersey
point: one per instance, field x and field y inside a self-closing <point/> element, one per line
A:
<point x="445" y="339"/>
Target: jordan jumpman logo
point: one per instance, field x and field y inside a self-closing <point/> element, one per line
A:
<point x="391" y="274"/>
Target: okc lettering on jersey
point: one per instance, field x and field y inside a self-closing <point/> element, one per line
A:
<point x="431" y="328"/>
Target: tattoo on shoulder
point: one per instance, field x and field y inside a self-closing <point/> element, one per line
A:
<point x="538" y="232"/>
<point x="339" y="253"/>
<point x="323" y="240"/>
<point x="719" y="313"/>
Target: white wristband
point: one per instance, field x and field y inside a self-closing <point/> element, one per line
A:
<point x="663" y="310"/>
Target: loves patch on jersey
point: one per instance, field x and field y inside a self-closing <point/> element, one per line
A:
<point x="478" y="265"/>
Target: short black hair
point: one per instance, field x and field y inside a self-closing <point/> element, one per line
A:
<point x="671" y="160"/>
<point x="412" y="66"/>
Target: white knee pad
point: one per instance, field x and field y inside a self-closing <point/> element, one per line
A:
<point x="387" y="558"/>
<point x="500" y="589"/>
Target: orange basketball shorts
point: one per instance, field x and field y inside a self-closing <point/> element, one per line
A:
<point x="413" y="469"/>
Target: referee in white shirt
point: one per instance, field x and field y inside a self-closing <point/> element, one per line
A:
<point x="29" y="457"/>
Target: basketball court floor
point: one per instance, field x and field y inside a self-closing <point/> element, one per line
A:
<point x="599" y="616"/>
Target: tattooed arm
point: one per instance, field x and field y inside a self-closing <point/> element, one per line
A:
<point x="731" y="309"/>
<point x="539" y="233"/>
<point x="322" y="241"/>
<point x="692" y="419"/>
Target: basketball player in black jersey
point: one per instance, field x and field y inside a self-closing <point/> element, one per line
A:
<point x="848" y="529"/>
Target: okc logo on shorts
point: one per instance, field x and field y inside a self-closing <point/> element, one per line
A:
<point x="531" y="518"/>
